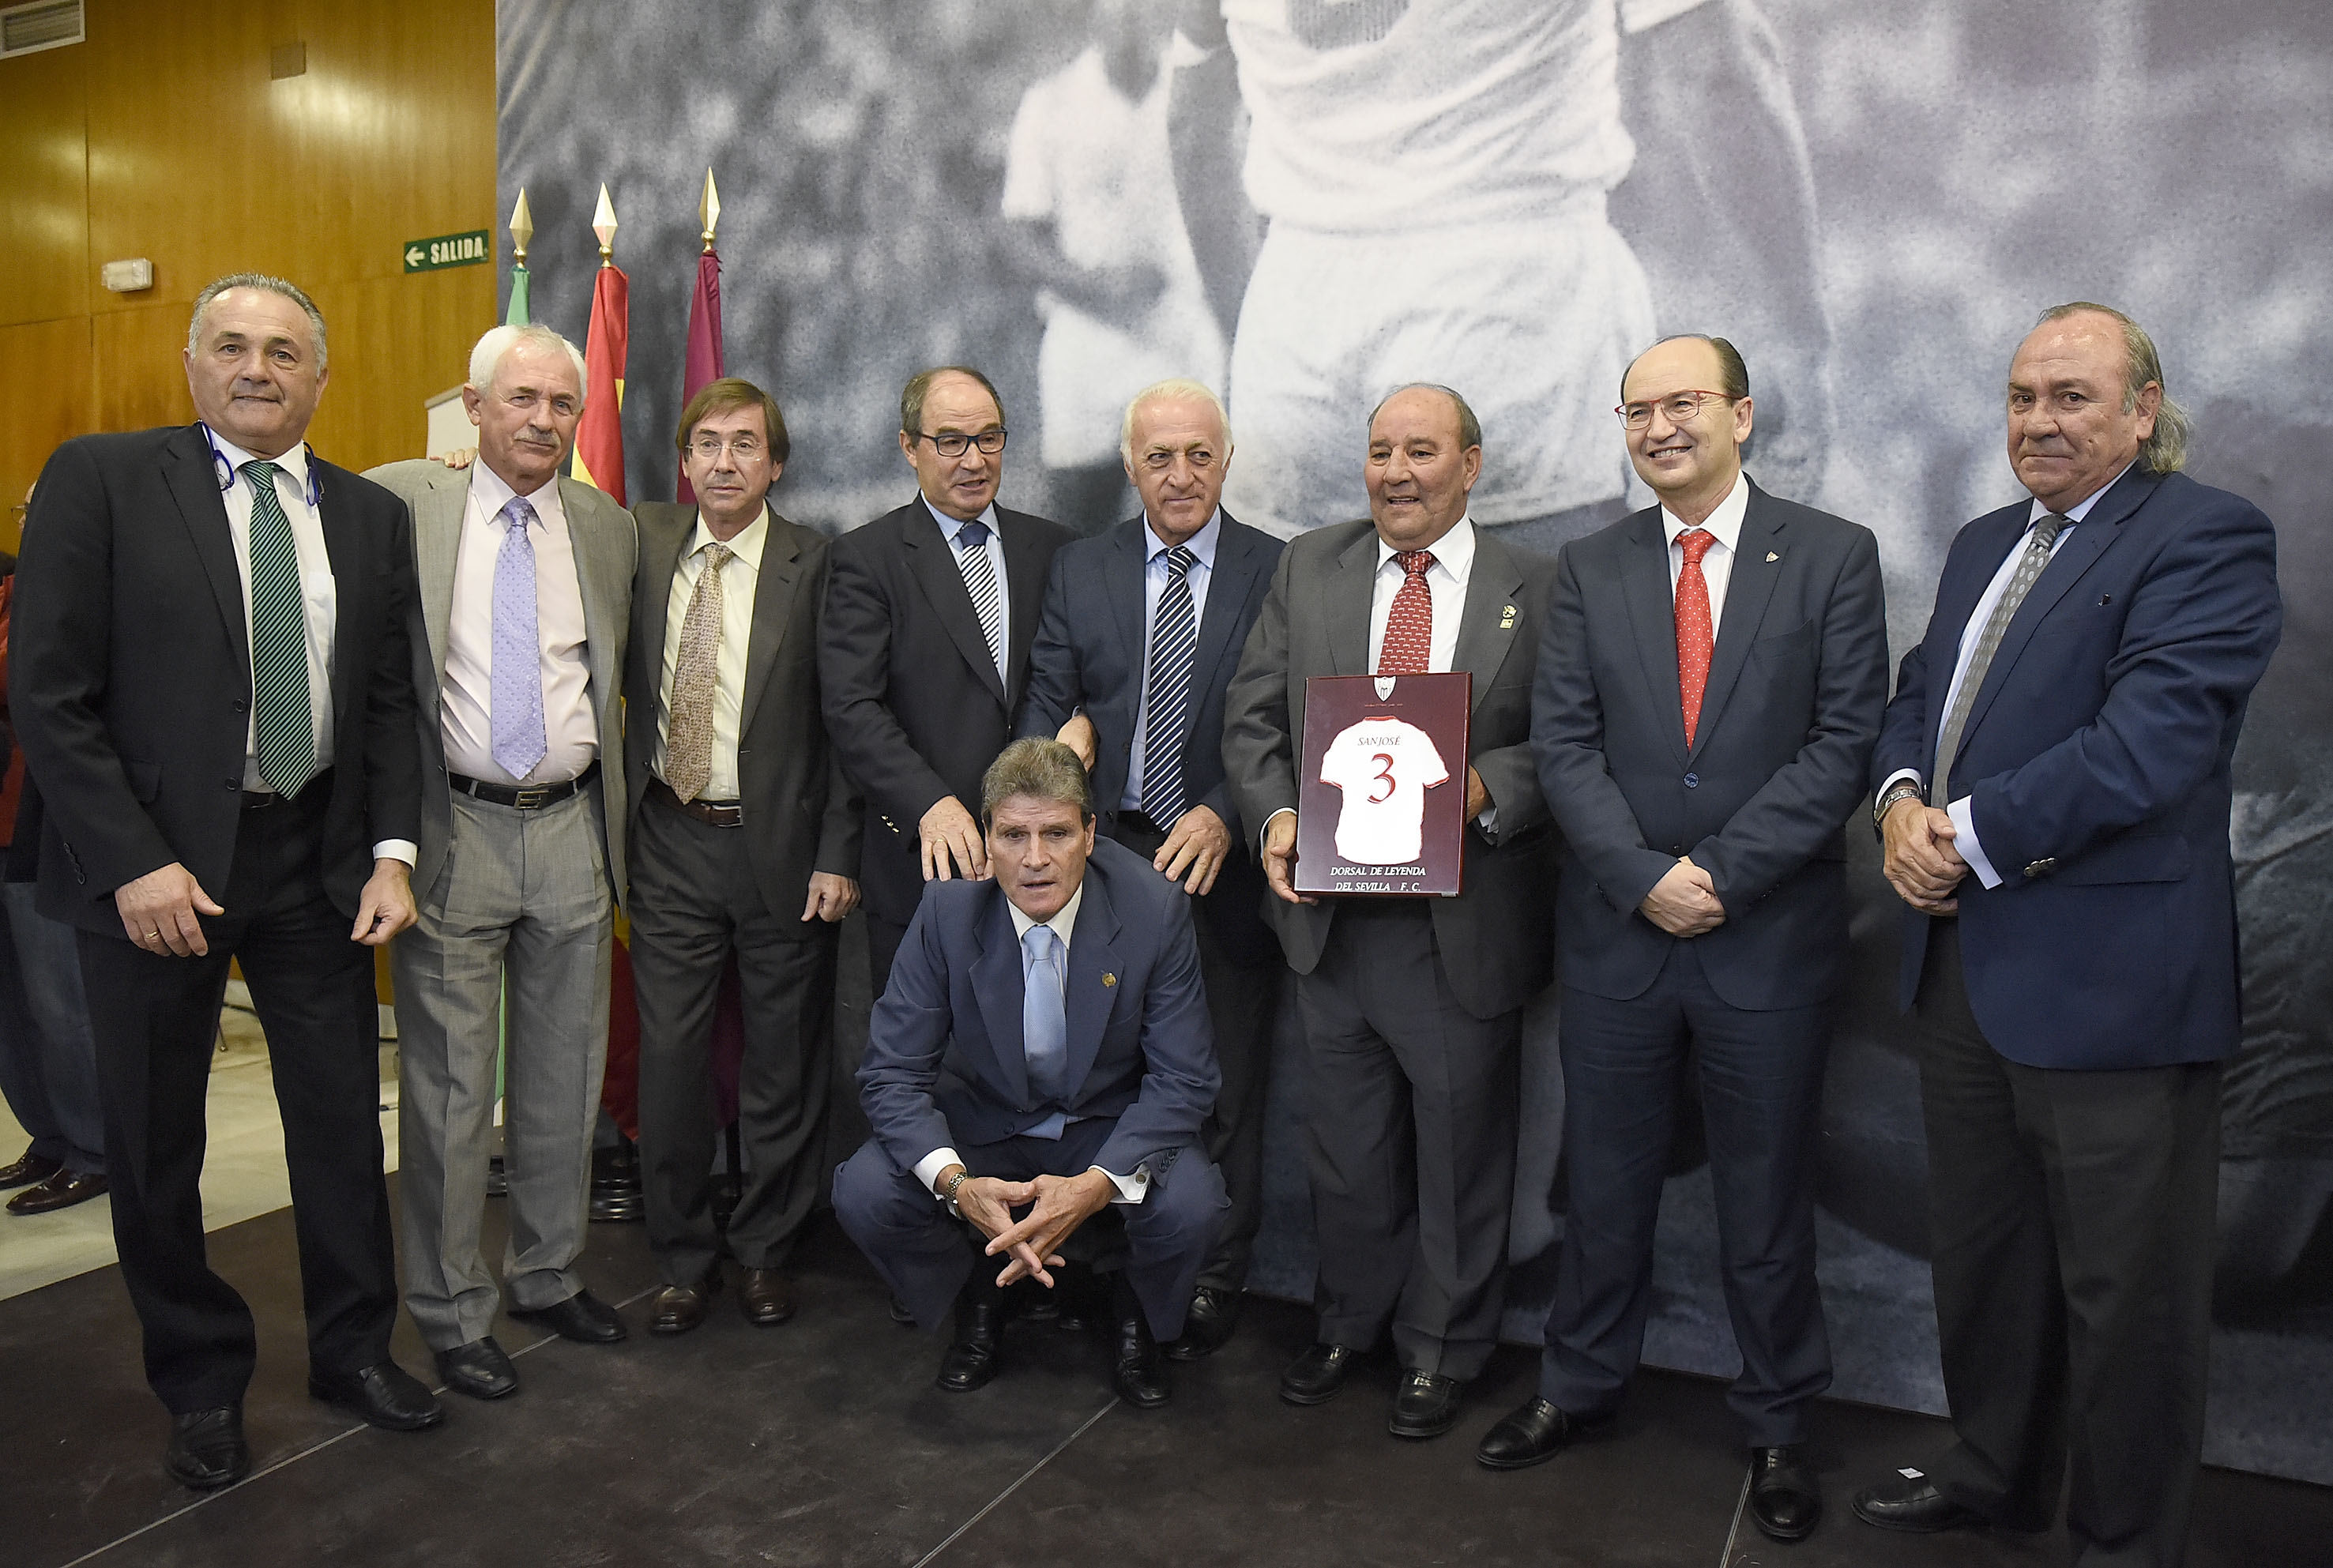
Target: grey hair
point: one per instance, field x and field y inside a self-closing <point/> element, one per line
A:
<point x="1470" y="429"/>
<point x="1175" y="389"/>
<point x="265" y="284"/>
<point x="1037" y="767"/>
<point x="2164" y="450"/>
<point x="486" y="357"/>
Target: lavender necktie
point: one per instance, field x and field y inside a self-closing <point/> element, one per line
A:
<point x="519" y="741"/>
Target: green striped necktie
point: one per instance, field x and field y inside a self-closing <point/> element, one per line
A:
<point x="279" y="641"/>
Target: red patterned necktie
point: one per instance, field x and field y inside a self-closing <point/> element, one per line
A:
<point x="1693" y="633"/>
<point x="1409" y="625"/>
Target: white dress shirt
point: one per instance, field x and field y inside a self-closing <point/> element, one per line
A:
<point x="319" y="606"/>
<point x="1130" y="1189"/>
<point x="1446" y="581"/>
<point x="949" y="528"/>
<point x="1965" y="838"/>
<point x="1717" y="565"/>
<point x="740" y="579"/>
<point x="1154" y="573"/>
<point x="466" y="718"/>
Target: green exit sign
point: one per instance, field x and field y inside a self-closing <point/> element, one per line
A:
<point x="448" y="251"/>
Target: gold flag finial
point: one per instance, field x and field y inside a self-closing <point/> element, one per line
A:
<point x="603" y="223"/>
<point x="708" y="209"/>
<point x="522" y="227"/>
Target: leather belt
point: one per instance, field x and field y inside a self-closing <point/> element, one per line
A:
<point x="522" y="797"/>
<point x="261" y="800"/>
<point x="711" y="813"/>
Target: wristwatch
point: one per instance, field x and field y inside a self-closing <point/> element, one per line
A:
<point x="1901" y="789"/>
<point x="947" y="1193"/>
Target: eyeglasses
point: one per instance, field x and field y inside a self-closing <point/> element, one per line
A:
<point x="953" y="443"/>
<point x="1676" y="408"/>
<point x="708" y="448"/>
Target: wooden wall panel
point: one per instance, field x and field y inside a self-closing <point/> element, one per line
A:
<point x="46" y="272"/>
<point x="48" y="402"/>
<point x="165" y="137"/>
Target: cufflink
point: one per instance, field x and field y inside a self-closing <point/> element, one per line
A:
<point x="2041" y="868"/>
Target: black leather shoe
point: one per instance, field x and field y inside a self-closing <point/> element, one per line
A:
<point x="617" y="1197"/>
<point x="478" y="1368"/>
<point x="384" y="1395"/>
<point x="1208" y="1326"/>
<point x="1785" y="1500"/>
<point x="972" y="1357"/>
<point x="678" y="1308"/>
<point x="1318" y="1375"/>
<point x="206" y="1449"/>
<point x="61" y="1191"/>
<point x="1531" y="1435"/>
<point x="766" y="1297"/>
<point x="1912" y="1503"/>
<point x="1139" y="1375"/>
<point x="581" y="1317"/>
<point x="28" y="1169"/>
<point x="1425" y="1405"/>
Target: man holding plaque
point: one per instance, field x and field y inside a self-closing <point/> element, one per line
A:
<point x="1412" y="1006"/>
<point x="1710" y="686"/>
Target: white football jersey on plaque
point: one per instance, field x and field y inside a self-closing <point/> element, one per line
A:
<point x="1385" y="767"/>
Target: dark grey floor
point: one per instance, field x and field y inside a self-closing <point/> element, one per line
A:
<point x="823" y="1442"/>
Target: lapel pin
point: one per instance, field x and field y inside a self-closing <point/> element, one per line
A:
<point x="1107" y="979"/>
<point x="1771" y="556"/>
<point x="1507" y="619"/>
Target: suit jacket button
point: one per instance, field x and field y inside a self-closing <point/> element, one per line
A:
<point x="1693" y="781"/>
<point x="234" y="783"/>
<point x="242" y="705"/>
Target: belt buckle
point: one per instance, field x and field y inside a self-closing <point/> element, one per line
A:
<point x="532" y="797"/>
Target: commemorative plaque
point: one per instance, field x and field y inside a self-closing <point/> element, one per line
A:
<point x="1381" y="788"/>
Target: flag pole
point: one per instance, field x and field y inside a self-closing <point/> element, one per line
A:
<point x="521" y="230"/>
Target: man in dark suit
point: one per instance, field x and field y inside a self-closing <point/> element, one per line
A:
<point x="1133" y="677"/>
<point x="2054" y="795"/>
<point x="209" y="674"/>
<point x="925" y="651"/>
<point x="1412" y="1007"/>
<point x="1044" y="1044"/>
<point x="1710" y="685"/>
<point x="744" y="844"/>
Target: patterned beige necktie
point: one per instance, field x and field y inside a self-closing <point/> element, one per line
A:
<point x="688" y="741"/>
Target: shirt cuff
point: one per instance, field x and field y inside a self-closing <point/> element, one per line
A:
<point x="403" y="850"/>
<point x="1487" y="819"/>
<point x="1264" y="836"/>
<point x="1964" y="840"/>
<point x="1130" y="1189"/>
<point x="1901" y="774"/>
<point x="929" y="1168"/>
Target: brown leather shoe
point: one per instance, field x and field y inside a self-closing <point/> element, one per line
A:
<point x="678" y="1308"/>
<point x="766" y="1297"/>
<point x="62" y="1190"/>
<point x="28" y="1169"/>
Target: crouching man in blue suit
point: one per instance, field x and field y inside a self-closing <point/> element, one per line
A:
<point x="1043" y="1049"/>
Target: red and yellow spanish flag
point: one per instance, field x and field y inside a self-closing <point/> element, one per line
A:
<point x="599" y="437"/>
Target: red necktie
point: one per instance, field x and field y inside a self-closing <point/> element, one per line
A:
<point x="1409" y="625"/>
<point x="1693" y="633"/>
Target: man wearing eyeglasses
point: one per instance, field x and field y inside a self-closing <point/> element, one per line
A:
<point x="930" y="612"/>
<point x="744" y="845"/>
<point x="1710" y="687"/>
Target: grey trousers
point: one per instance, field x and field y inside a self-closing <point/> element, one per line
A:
<point x="48" y="1057"/>
<point x="522" y="904"/>
<point x="1410" y="1142"/>
<point x="694" y="902"/>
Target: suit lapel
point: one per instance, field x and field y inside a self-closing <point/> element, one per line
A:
<point x="996" y="982"/>
<point x="773" y="605"/>
<point x="661" y="543"/>
<point x="2090" y="540"/>
<point x="1122" y="584"/>
<point x="1652" y="615"/>
<point x="1025" y="563"/>
<point x="1348" y="610"/>
<point x="1236" y="557"/>
<point x="1093" y="953"/>
<point x="193" y="479"/>
<point x="1488" y="621"/>
<point x="345" y="550"/>
<point x="1749" y="587"/>
<point x="578" y="501"/>
<point x="437" y="551"/>
<point x="932" y="562"/>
